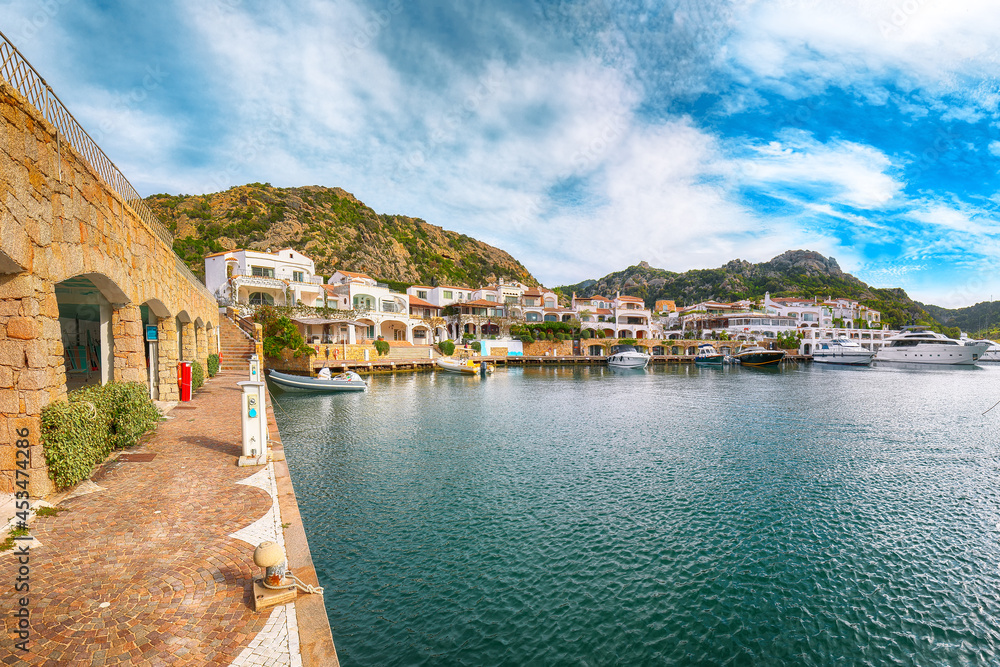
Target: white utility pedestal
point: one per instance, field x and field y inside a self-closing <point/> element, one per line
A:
<point x="254" y="368"/>
<point x="253" y="418"/>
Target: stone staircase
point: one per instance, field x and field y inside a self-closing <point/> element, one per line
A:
<point x="236" y="346"/>
<point x="409" y="353"/>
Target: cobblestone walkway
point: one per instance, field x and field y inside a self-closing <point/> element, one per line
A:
<point x="156" y="568"/>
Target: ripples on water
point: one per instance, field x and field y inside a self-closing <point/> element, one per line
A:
<point x="544" y="516"/>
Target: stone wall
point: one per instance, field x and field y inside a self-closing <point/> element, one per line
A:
<point x="58" y="220"/>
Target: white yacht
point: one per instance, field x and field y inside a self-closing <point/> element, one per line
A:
<point x="842" y="351"/>
<point x="626" y="356"/>
<point x="917" y="345"/>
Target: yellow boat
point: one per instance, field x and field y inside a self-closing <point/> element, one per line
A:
<point x="466" y="366"/>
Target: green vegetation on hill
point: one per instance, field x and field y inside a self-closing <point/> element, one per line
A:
<point x="980" y="321"/>
<point x="333" y="228"/>
<point x="799" y="273"/>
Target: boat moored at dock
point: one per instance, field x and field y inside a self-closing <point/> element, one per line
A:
<point x="707" y="354"/>
<point x="919" y="345"/>
<point x="758" y="356"/>
<point x="842" y="351"/>
<point x="626" y="356"/>
<point x="348" y="381"/>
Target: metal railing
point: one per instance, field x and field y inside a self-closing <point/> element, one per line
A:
<point x="15" y="68"/>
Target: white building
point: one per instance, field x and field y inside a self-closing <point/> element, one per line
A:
<point x="285" y="278"/>
<point x="383" y="311"/>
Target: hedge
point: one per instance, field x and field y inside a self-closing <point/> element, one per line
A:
<point x="80" y="432"/>
<point x="213" y="365"/>
<point x="197" y="376"/>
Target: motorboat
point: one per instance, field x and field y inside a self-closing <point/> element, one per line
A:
<point x="348" y="381"/>
<point x="842" y="351"/>
<point x="626" y="356"/>
<point x="758" y="356"/>
<point x="462" y="366"/>
<point x="992" y="352"/>
<point x="919" y="345"/>
<point x="707" y="354"/>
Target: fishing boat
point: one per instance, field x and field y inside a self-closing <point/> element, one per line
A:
<point x="626" y="356"/>
<point x="842" y="351"/>
<point x="758" y="356"/>
<point x="349" y="381"/>
<point x="707" y="354"/>
<point x="462" y="366"/>
<point x="919" y="345"/>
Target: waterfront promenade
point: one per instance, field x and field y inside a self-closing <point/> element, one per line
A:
<point x="151" y="561"/>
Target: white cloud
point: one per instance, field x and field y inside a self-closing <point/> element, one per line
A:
<point x="844" y="172"/>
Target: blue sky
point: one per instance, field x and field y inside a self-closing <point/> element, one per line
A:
<point x="581" y="137"/>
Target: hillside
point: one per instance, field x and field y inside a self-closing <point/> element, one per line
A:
<point x="981" y="320"/>
<point x="793" y="273"/>
<point x="333" y="228"/>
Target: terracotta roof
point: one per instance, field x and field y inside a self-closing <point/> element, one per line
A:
<point x="352" y="274"/>
<point x="534" y="291"/>
<point x="630" y="298"/>
<point x="479" y="302"/>
<point x="414" y="301"/>
<point x="603" y="311"/>
<point x="468" y="289"/>
<point x="224" y="252"/>
<point x="421" y="287"/>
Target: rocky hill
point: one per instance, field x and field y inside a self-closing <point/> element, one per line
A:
<point x="335" y="229"/>
<point x="793" y="273"/>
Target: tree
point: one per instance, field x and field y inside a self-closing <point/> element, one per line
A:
<point x="788" y="340"/>
<point x="447" y="347"/>
<point x="382" y="347"/>
<point x="280" y="334"/>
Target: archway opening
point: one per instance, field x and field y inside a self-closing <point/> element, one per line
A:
<point x="85" y="328"/>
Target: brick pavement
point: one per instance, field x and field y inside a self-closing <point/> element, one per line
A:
<point x="146" y="572"/>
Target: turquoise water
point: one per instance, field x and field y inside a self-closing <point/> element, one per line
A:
<point x="809" y="515"/>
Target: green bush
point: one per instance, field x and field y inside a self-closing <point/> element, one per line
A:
<point x="627" y="341"/>
<point x="95" y="420"/>
<point x="213" y="365"/>
<point x="197" y="376"/>
<point x="468" y="336"/>
<point x="382" y="347"/>
<point x="585" y="334"/>
<point x="526" y="338"/>
<point x="477" y="346"/>
<point x="447" y="347"/>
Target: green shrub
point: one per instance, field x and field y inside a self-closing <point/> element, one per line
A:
<point x="213" y="365"/>
<point x="627" y="341"/>
<point x="382" y="347"/>
<point x="197" y="376"/>
<point x="477" y="346"/>
<point x="80" y="432"/>
<point x="447" y="347"/>
<point x="468" y="336"/>
<point x="526" y="338"/>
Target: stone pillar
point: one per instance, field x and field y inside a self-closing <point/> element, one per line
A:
<point x="213" y="341"/>
<point x="168" y="358"/>
<point x="202" y="351"/>
<point x="28" y="334"/>
<point x="188" y="353"/>
<point x="128" y="346"/>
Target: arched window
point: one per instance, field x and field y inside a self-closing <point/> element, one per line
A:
<point x="551" y="318"/>
<point x="550" y="303"/>
<point x="532" y="317"/>
<point x="261" y="299"/>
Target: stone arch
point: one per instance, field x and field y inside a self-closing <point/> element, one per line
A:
<point x="393" y="330"/>
<point x="86" y="328"/>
